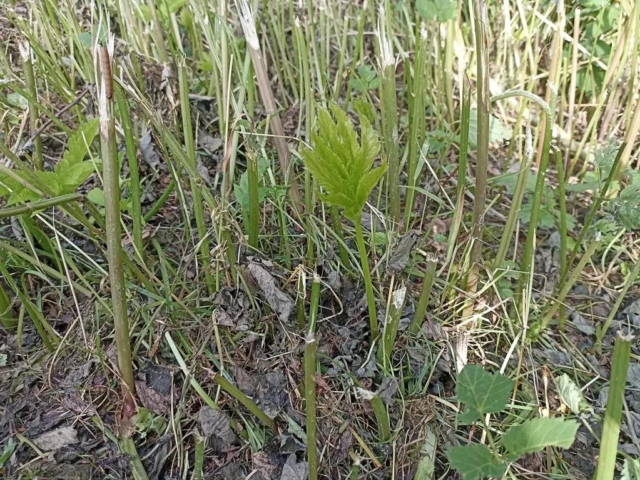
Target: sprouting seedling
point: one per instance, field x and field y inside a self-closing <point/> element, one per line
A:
<point x="343" y="166"/>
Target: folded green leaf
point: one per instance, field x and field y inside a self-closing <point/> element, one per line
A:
<point x="78" y="145"/>
<point x="534" y="435"/>
<point x="482" y="391"/>
<point x="475" y="462"/>
<point x="342" y="165"/>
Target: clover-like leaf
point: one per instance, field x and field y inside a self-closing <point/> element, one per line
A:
<point x="483" y="392"/>
<point x="534" y="435"/>
<point x="475" y="462"/>
<point x="342" y="164"/>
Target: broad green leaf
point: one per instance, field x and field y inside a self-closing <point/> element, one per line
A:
<point x="241" y="189"/>
<point x="74" y="176"/>
<point x="426" y="467"/>
<point x="497" y="130"/>
<point x="21" y="195"/>
<point x="475" y="462"/>
<point x="78" y="145"/>
<point x="469" y="416"/>
<point x="8" y="185"/>
<point x="438" y="10"/>
<point x="571" y="394"/>
<point x="341" y="164"/>
<point x="482" y="391"/>
<point x="16" y="100"/>
<point x="534" y="435"/>
<point x="96" y="196"/>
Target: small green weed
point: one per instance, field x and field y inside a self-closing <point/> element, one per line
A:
<point x="485" y="393"/>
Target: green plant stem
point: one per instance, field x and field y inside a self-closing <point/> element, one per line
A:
<point x="134" y="174"/>
<point x="129" y="447"/>
<point x="112" y="217"/>
<point x="185" y="370"/>
<point x="236" y="393"/>
<point x="613" y="414"/>
<point x="203" y="237"/>
<point x="254" y="201"/>
<point x="568" y="284"/>
<point x="391" y="328"/>
<point x="7" y="320"/>
<point x="594" y="209"/>
<point x="31" y="207"/>
<point x="536" y="201"/>
<point x="389" y="111"/>
<point x="161" y="201"/>
<point x="199" y="458"/>
<point x="311" y="346"/>
<point x="417" y="120"/>
<point x="382" y="418"/>
<point x="482" y="154"/>
<point x="33" y="106"/>
<point x="368" y="285"/>
<point x="562" y="202"/>
<point x="337" y="228"/>
<point x="462" y="169"/>
<point x="423" y="302"/>
<point x="514" y="212"/>
<point x="633" y="275"/>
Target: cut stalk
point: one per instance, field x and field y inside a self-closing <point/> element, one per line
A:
<point x="417" y="121"/>
<point x="389" y="110"/>
<point x="112" y="217"/>
<point x="391" y="328"/>
<point x="613" y="414"/>
<point x="264" y="85"/>
<point x="27" y="63"/>
<point x="482" y="154"/>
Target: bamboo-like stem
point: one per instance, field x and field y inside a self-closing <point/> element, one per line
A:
<point x="562" y="202"/>
<point x="112" y="217"/>
<point x="264" y="86"/>
<point x="29" y="77"/>
<point x="311" y="346"/>
<point x="389" y="110"/>
<point x="555" y="69"/>
<point x="482" y="154"/>
<point x="462" y="168"/>
<point x="31" y="207"/>
<point x="416" y="120"/>
<point x="391" y="328"/>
